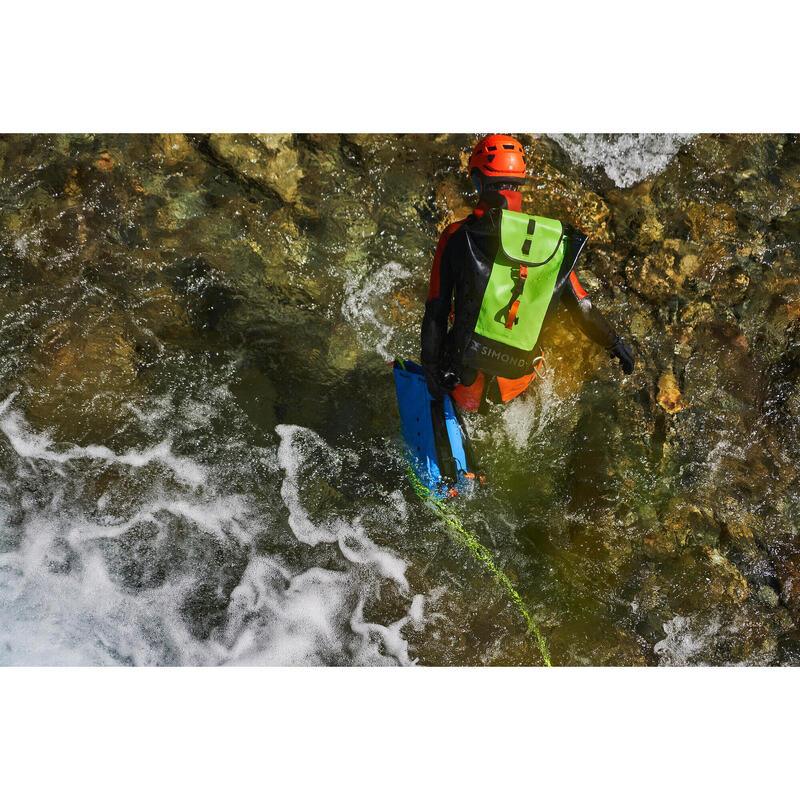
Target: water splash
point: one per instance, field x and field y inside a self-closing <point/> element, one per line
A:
<point x="366" y="302"/>
<point x="627" y="158"/>
<point x="117" y="558"/>
<point x="530" y="416"/>
<point x="685" y="643"/>
<point x="39" y="446"/>
<point x="279" y="619"/>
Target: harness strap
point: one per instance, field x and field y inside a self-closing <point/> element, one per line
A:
<point x="520" y="275"/>
<point x="512" y="314"/>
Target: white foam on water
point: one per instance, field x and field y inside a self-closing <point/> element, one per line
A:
<point x="39" y="446"/>
<point x="300" y="448"/>
<point x="723" y="452"/>
<point x="627" y="158"/>
<point x="365" y="305"/>
<point x="218" y="516"/>
<point x="64" y="598"/>
<point x="83" y="618"/>
<point x="388" y="635"/>
<point x="59" y="603"/>
<point x="279" y="619"/>
<point x="685" y="642"/>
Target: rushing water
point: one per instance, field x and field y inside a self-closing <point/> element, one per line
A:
<point x="199" y="452"/>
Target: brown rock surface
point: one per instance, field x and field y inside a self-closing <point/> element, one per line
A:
<point x="80" y="386"/>
<point x="669" y="395"/>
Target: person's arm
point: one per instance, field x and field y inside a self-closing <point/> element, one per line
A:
<point x="594" y="324"/>
<point x="437" y="312"/>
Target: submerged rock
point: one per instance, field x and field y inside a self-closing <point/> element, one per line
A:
<point x="669" y="395"/>
<point x="269" y="160"/>
<point x="84" y="379"/>
<point x="789" y="578"/>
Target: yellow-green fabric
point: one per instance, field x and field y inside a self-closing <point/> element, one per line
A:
<point x="540" y="247"/>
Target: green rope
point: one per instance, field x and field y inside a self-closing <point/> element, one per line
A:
<point x="482" y="554"/>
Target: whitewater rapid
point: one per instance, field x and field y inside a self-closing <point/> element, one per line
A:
<point x="72" y="592"/>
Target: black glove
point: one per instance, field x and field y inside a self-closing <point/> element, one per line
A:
<point x="440" y="382"/>
<point x="621" y="351"/>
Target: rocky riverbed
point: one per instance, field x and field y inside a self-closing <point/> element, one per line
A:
<point x="199" y="455"/>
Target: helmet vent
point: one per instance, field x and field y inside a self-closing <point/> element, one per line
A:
<point x="498" y="156"/>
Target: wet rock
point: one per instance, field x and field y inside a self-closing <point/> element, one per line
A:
<point x="324" y="141"/>
<point x="268" y="160"/>
<point x="714" y="229"/>
<point x="622" y="649"/>
<point x="730" y="288"/>
<point x="711" y="223"/>
<point x="656" y="277"/>
<point x="160" y="311"/>
<point x="83" y="381"/>
<point x="344" y="348"/>
<point x="451" y="204"/>
<point x="689" y="265"/>
<point x="555" y="194"/>
<point x="669" y="395"/>
<point x="174" y="149"/>
<point x="684" y="524"/>
<point x="768" y="596"/>
<point x="184" y="203"/>
<point x="788" y="569"/>
<point x="648" y="217"/>
<point x="697" y="313"/>
<point x="104" y="162"/>
<point x="726" y="582"/>
<point x="739" y="524"/>
<point x="280" y="243"/>
<point x="567" y="357"/>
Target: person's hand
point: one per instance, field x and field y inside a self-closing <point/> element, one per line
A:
<point x="432" y="379"/>
<point x="621" y="351"/>
<point x="440" y="382"/>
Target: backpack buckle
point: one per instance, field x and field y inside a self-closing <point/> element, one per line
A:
<point x="519" y="273"/>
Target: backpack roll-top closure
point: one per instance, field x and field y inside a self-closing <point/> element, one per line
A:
<point x="531" y="241"/>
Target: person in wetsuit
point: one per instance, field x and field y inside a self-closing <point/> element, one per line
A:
<point x="496" y="275"/>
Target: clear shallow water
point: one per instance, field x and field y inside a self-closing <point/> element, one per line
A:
<point x="199" y="461"/>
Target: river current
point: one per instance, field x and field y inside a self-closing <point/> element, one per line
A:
<point x="200" y="460"/>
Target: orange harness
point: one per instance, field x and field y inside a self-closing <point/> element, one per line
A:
<point x="469" y="397"/>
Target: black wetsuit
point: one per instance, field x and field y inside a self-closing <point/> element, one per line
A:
<point x="461" y="269"/>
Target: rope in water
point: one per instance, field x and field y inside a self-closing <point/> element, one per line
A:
<point x="482" y="554"/>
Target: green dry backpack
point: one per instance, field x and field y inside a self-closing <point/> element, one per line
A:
<point x="518" y="294"/>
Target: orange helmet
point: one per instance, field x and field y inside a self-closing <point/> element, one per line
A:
<point x="498" y="156"/>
